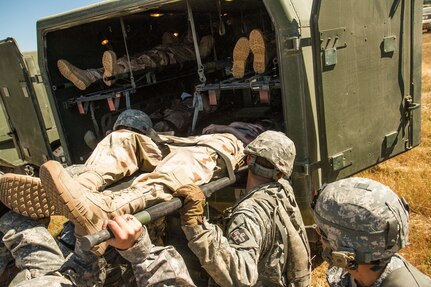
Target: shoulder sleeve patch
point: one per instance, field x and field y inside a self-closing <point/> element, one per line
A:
<point x="239" y="236"/>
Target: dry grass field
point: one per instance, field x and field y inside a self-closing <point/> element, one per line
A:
<point x="409" y="175"/>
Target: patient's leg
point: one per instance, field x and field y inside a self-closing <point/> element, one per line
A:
<point x="118" y="155"/>
<point x="81" y="78"/>
<point x="185" y="165"/>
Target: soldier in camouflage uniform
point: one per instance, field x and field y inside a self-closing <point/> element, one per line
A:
<point x="265" y="243"/>
<point x="363" y="224"/>
<point x="169" y="52"/>
<point x="42" y="263"/>
<point x="133" y="146"/>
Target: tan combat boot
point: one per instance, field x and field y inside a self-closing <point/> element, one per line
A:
<point x="240" y="55"/>
<point x="257" y="47"/>
<point x="25" y="195"/>
<point x="109" y="61"/>
<point x="82" y="79"/>
<point x="87" y="209"/>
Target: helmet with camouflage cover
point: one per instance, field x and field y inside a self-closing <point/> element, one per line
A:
<point x="360" y="221"/>
<point x="276" y="148"/>
<point x="134" y="120"/>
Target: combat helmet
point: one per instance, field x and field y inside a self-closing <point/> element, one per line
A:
<point x="277" y="149"/>
<point x="135" y="120"/>
<point x="360" y="221"/>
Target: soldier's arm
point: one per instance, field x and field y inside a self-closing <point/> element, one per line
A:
<point x="152" y="265"/>
<point x="231" y="260"/>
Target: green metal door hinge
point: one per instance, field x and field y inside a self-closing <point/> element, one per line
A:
<point x="341" y="160"/>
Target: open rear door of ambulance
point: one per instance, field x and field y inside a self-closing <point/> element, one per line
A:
<point x="20" y="107"/>
<point x="368" y="71"/>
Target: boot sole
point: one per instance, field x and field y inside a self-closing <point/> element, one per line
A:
<point x="240" y="55"/>
<point x="72" y="74"/>
<point x="25" y="195"/>
<point x="64" y="202"/>
<point x="109" y="59"/>
<point x="257" y="47"/>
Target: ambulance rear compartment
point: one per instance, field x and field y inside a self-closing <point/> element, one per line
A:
<point x="214" y="95"/>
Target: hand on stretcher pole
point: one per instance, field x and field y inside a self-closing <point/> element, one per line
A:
<point x="159" y="210"/>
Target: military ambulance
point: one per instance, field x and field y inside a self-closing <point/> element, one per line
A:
<point x="343" y="78"/>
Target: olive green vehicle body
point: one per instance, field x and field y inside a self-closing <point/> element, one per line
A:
<point x="347" y="76"/>
<point x="24" y="112"/>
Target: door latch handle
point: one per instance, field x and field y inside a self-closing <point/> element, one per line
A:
<point x="413" y="106"/>
<point x="410" y="105"/>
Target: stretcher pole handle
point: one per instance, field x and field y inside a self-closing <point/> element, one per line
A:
<point x="157" y="211"/>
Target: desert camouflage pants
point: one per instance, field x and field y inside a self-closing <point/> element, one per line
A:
<point x="190" y="160"/>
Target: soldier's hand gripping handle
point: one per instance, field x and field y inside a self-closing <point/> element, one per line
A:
<point x="145" y="217"/>
<point x="192" y="211"/>
<point x="155" y="212"/>
<point x="127" y="231"/>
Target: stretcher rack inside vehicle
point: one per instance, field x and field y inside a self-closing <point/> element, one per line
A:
<point x="262" y="84"/>
<point x="148" y="78"/>
<point x="255" y="83"/>
<point x="259" y="83"/>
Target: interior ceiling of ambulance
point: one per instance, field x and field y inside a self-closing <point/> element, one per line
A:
<point x="211" y="5"/>
<point x="175" y="9"/>
<point x="179" y="9"/>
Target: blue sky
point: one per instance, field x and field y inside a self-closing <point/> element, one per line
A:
<point x="18" y="17"/>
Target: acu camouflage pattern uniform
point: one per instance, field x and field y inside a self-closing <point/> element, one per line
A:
<point x="368" y="219"/>
<point x="265" y="243"/>
<point x="42" y="263"/>
<point x="339" y="277"/>
<point x="123" y="152"/>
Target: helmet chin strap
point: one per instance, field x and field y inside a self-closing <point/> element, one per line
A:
<point x="344" y="259"/>
<point x="261" y="170"/>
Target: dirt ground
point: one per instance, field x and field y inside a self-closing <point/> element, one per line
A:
<point x="408" y="175"/>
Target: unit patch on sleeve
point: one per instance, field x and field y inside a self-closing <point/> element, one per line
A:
<point x="239" y="236"/>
